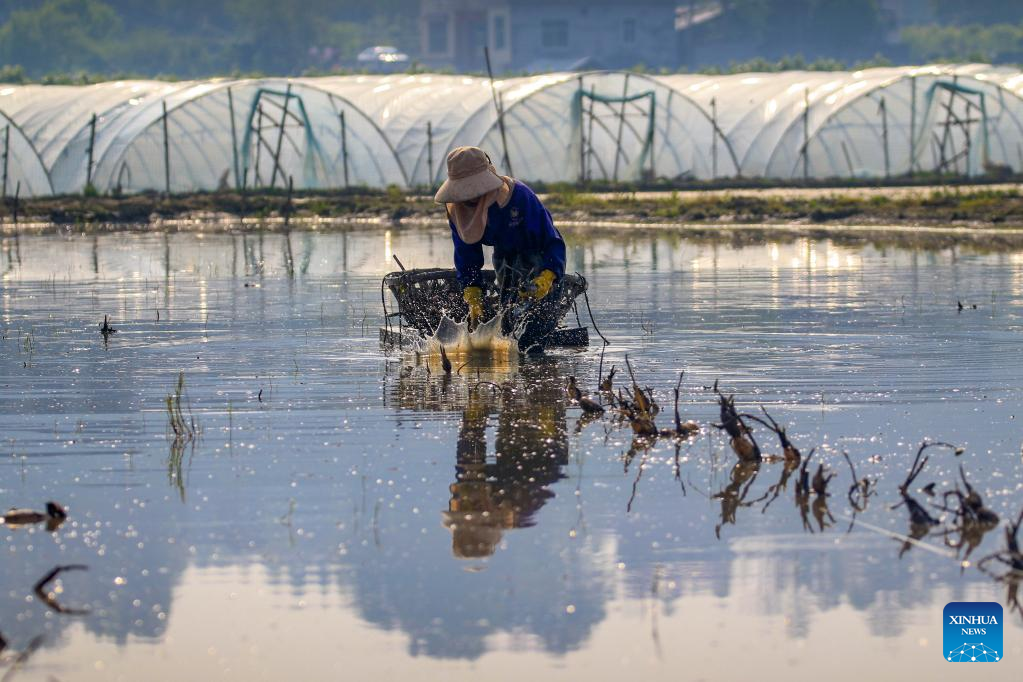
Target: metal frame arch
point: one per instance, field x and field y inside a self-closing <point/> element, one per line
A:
<point x="31" y="145"/>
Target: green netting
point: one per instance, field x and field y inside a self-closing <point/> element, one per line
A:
<point x="584" y="120"/>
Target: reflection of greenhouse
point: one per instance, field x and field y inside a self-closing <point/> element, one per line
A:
<point x="396" y="130"/>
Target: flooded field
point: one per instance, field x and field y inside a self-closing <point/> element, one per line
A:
<point x="343" y="512"/>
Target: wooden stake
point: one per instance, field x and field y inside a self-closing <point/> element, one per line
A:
<point x="287" y="202"/>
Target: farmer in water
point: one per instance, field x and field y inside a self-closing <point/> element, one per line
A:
<point x="529" y="253"/>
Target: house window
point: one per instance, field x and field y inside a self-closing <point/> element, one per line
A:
<point x="554" y="33"/>
<point x="500" y="27"/>
<point x="437" y="35"/>
<point x="629" y="30"/>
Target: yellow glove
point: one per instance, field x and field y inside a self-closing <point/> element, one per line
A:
<point x="473" y="297"/>
<point x="542" y="285"/>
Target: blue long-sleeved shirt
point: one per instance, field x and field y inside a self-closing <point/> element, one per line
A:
<point x="522" y="226"/>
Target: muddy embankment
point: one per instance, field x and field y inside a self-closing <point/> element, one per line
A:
<point x="988" y="216"/>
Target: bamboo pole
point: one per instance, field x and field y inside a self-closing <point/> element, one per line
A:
<point x="582" y="134"/>
<point x="429" y="154"/>
<point x="806" y="134"/>
<point x="92" y="142"/>
<point x="947" y="131"/>
<point x="280" y="137"/>
<point x="589" y="138"/>
<point x="912" y="125"/>
<point x="166" y="152"/>
<point x="884" y="138"/>
<point x="256" y="178"/>
<point x="969" y="139"/>
<point x="985" y="150"/>
<point x="621" y="129"/>
<point x="950" y="120"/>
<point x="7" y="153"/>
<point x="344" y="145"/>
<point x="234" y="139"/>
<point x="653" y="135"/>
<point x="714" y="137"/>
<point x="500" y="111"/>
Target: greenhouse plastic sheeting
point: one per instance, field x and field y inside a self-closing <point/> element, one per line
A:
<point x="252" y="133"/>
<point x="382" y="130"/>
<point x="890" y="121"/>
<point x="422" y="116"/>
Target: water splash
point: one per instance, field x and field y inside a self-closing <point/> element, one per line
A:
<point x="457" y="338"/>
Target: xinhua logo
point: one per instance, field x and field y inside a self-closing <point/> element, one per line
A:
<point x="972" y="632"/>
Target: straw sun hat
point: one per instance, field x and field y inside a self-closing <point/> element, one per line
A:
<point x="470" y="175"/>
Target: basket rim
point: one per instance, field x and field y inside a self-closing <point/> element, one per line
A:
<point x="392" y="279"/>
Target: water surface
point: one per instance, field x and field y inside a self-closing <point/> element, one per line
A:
<point x="348" y="512"/>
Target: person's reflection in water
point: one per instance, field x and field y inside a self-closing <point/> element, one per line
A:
<point x="531" y="447"/>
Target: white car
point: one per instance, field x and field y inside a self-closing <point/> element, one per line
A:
<point x="382" y="54"/>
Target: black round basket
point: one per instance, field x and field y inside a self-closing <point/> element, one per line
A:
<point x="427" y="294"/>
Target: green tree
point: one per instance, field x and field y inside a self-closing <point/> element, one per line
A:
<point x="973" y="42"/>
<point x="818" y="28"/>
<point x="62" y="35"/>
<point x="957" y="12"/>
<point x="272" y="38"/>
